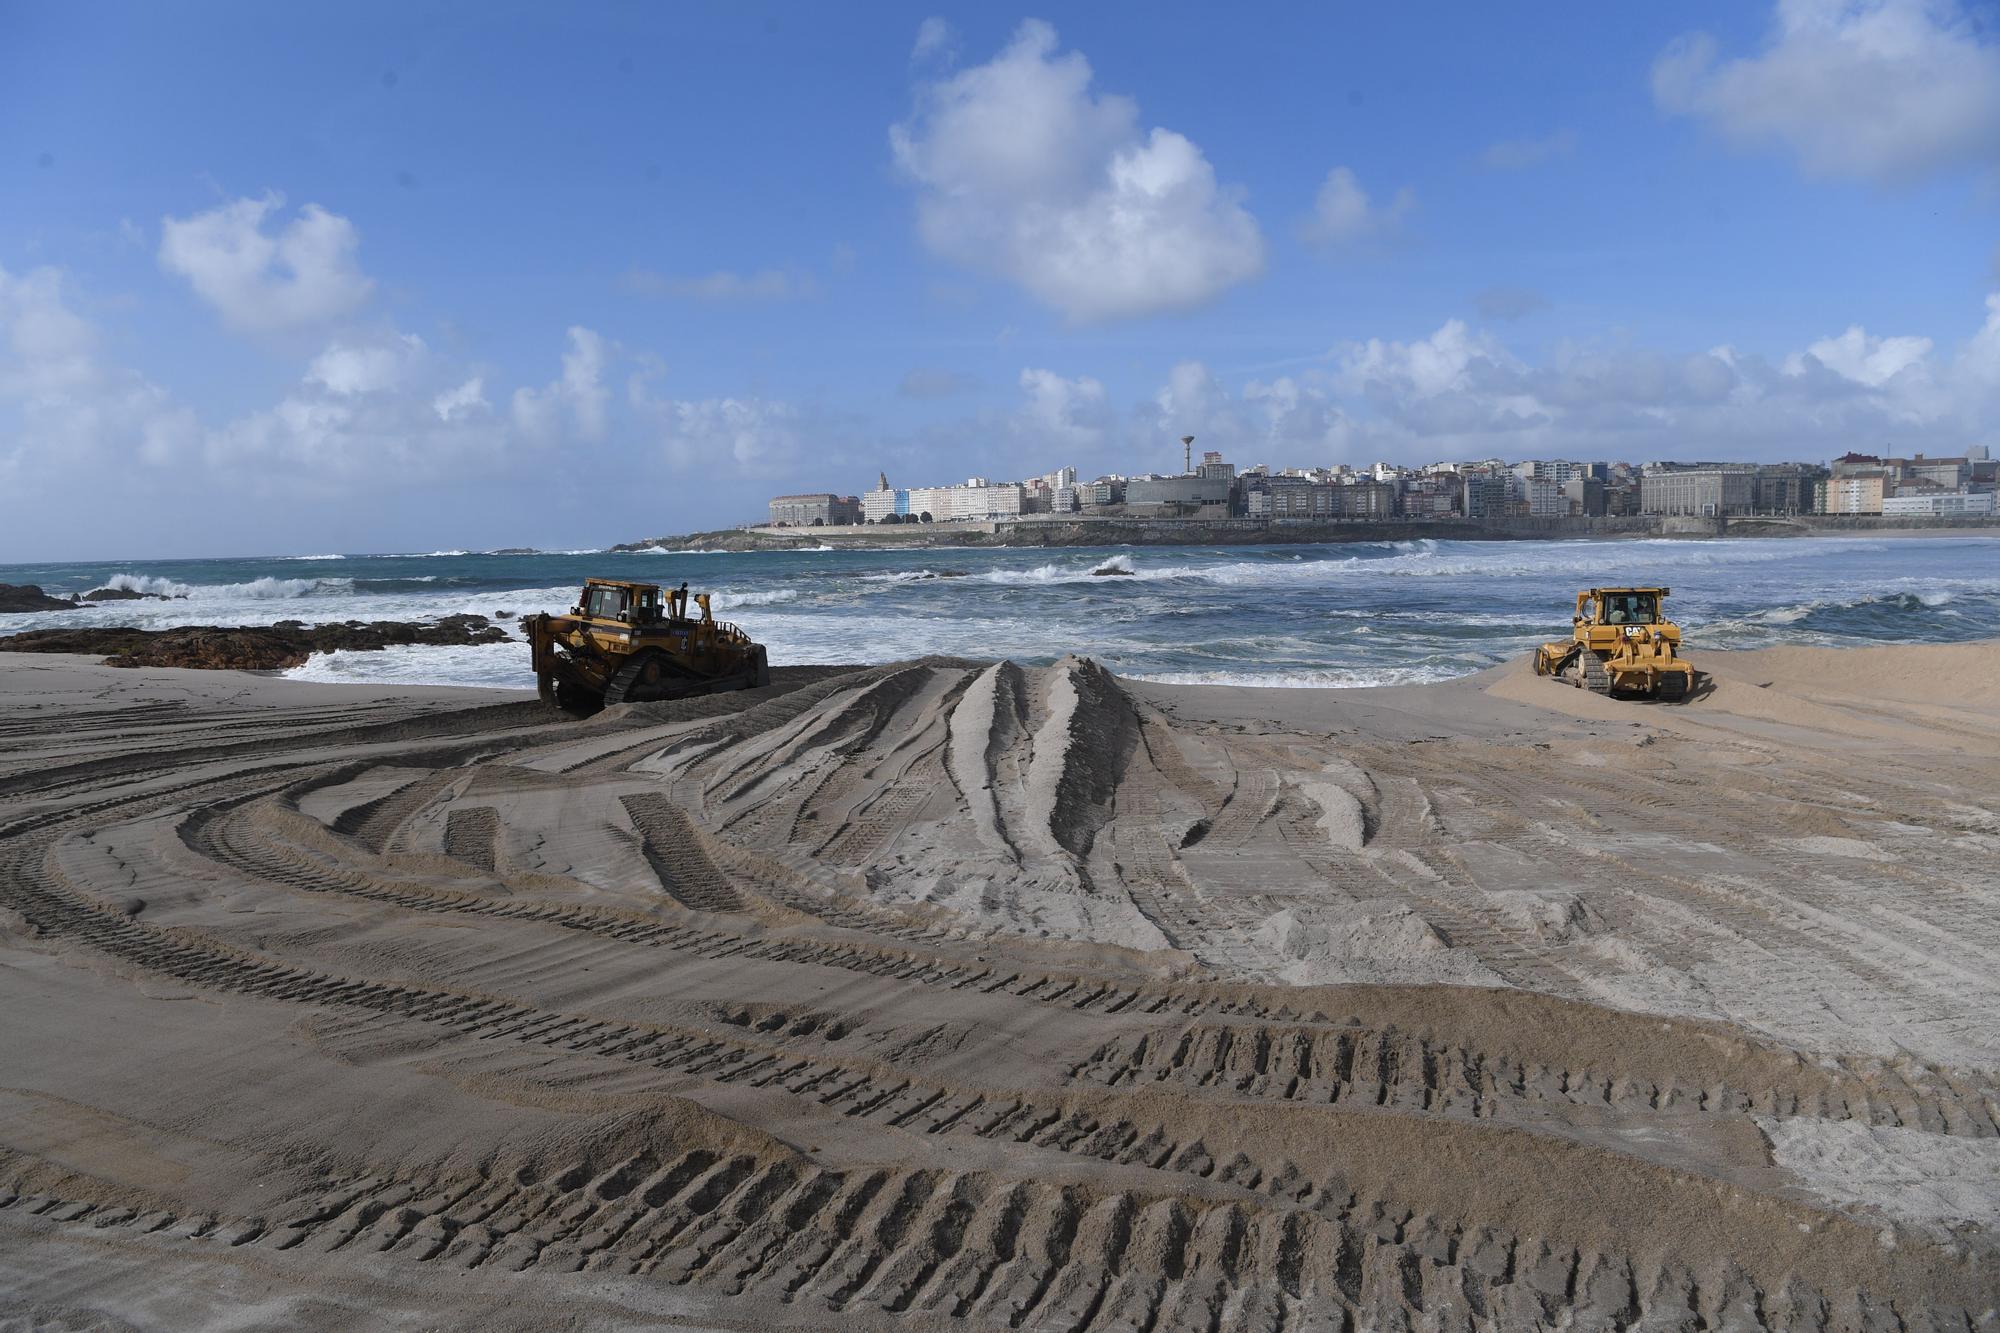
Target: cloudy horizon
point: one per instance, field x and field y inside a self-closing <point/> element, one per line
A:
<point x="378" y="280"/>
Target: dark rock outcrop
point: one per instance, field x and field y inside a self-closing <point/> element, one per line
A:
<point x="253" y="647"/>
<point x="127" y="595"/>
<point x="20" y="598"/>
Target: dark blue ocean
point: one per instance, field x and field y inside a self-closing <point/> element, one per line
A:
<point x="1357" y="614"/>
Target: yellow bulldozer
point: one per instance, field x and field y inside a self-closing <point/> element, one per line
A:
<point x="1620" y="642"/>
<point x="627" y="642"/>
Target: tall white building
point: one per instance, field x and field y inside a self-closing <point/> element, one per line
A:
<point x="1545" y="497"/>
<point x="988" y="499"/>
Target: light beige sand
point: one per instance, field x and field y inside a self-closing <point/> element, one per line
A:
<point x="962" y="995"/>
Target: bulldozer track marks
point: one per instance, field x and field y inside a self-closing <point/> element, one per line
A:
<point x="968" y="1203"/>
<point x="981" y="1248"/>
<point x="1293" y="1064"/>
<point x="1418" y="1078"/>
<point x="1384" y="1067"/>
<point x="471" y="836"/>
<point x="878" y="822"/>
<point x="674" y="851"/>
<point x="215" y="837"/>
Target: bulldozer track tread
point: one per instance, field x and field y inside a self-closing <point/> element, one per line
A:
<point x="1406" y="1073"/>
<point x="1258" y="1243"/>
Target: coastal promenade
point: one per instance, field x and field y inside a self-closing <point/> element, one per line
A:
<point x="1126" y="530"/>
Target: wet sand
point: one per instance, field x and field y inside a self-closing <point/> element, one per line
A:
<point x="962" y="995"/>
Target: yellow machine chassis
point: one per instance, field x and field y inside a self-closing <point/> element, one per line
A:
<point x="1607" y="658"/>
<point x="650" y="649"/>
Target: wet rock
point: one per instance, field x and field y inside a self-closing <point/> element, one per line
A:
<point x="20" y="598"/>
<point x="127" y="595"/>
<point x="252" y="648"/>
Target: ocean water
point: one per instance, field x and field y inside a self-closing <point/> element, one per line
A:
<point x="1343" y="615"/>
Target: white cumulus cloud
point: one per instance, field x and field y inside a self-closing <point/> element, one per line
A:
<point x="465" y="401"/>
<point x="579" y="393"/>
<point x="1023" y="171"/>
<point x="1285" y="421"/>
<point x="1866" y="360"/>
<point x="1074" y="413"/>
<point x="72" y="414"/>
<point x="1887" y="90"/>
<point x="936" y="40"/>
<point x="1343" y="211"/>
<point x="300" y="274"/>
<point x="745" y="437"/>
<point x="348" y="367"/>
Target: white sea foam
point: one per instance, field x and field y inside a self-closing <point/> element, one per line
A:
<point x="767" y="597"/>
<point x="1311" y="678"/>
<point x="312" y="557"/>
<point x="262" y="589"/>
<point x="491" y="665"/>
<point x="915" y="576"/>
<point x="146" y="583"/>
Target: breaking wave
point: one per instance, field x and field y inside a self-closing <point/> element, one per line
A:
<point x="1333" y="615"/>
<point x="768" y="597"/>
<point x="264" y="588"/>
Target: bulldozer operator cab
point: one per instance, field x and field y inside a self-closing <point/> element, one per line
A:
<point x="602" y="602"/>
<point x="629" y="603"/>
<point x="1630" y="608"/>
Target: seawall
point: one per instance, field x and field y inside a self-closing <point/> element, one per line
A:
<point x="1128" y="531"/>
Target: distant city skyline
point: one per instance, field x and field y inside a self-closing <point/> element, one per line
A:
<point x="1962" y="486"/>
<point x="391" y="277"/>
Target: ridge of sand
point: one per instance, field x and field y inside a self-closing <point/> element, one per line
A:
<point x="967" y="995"/>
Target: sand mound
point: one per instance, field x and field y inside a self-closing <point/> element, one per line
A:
<point x="1366" y="942"/>
<point x="973" y="995"/>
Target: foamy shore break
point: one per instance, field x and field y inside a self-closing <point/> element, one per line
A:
<point x="965" y="994"/>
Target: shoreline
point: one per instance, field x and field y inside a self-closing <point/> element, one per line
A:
<point x="1112" y="533"/>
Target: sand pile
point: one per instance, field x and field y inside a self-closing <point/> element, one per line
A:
<point x="955" y="994"/>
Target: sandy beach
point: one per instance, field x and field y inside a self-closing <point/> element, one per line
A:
<point x="955" y="994"/>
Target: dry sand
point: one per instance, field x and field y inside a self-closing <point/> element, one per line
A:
<point x="962" y="995"/>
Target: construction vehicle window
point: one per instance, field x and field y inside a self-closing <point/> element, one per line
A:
<point x="1630" y="609"/>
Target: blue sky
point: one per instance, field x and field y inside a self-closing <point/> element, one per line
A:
<point x="277" y="278"/>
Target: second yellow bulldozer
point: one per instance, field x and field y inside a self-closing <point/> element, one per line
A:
<point x="1620" y="642"/>
<point x="626" y="642"/>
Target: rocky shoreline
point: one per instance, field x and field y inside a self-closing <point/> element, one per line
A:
<point x="288" y="643"/>
<point x="24" y="598"/>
